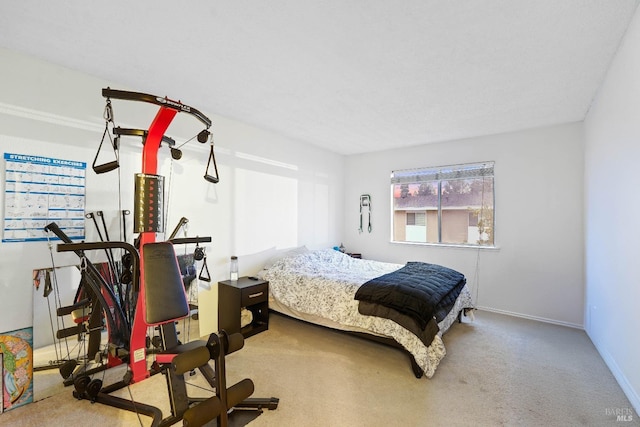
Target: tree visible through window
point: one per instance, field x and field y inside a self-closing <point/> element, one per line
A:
<point x="447" y="204"/>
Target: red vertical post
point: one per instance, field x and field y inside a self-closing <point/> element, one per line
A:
<point x="137" y="347"/>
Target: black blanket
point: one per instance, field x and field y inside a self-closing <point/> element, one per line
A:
<point x="419" y="290"/>
<point x="425" y="334"/>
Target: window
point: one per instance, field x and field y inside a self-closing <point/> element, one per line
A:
<point x="416" y="218"/>
<point x="444" y="205"/>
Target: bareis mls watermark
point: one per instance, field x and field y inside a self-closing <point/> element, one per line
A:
<point x="621" y="414"/>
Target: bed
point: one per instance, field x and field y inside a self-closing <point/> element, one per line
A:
<point x="321" y="286"/>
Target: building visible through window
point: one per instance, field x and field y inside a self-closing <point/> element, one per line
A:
<point x="444" y="205"/>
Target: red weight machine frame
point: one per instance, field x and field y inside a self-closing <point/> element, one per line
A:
<point x="155" y="134"/>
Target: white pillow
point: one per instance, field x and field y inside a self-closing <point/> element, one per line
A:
<point x="283" y="253"/>
<point x="250" y="264"/>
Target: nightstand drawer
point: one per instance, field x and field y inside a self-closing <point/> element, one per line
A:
<point x="254" y="294"/>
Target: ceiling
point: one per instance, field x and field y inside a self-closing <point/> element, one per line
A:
<point x="350" y="76"/>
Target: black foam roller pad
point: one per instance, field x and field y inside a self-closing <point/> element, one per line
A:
<point x="202" y="413"/>
<point x="190" y="360"/>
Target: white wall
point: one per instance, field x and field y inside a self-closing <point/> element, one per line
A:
<point x="273" y="191"/>
<point x="537" y="269"/>
<point x="612" y="134"/>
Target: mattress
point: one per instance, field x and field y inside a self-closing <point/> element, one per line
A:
<point x="319" y="287"/>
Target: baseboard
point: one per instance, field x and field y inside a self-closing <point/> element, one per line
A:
<point x="527" y="316"/>
<point x="626" y="387"/>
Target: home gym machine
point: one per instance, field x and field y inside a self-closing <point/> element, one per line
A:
<point x="160" y="298"/>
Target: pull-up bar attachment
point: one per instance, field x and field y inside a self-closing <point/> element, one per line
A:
<point x="168" y="109"/>
<point x="157" y="100"/>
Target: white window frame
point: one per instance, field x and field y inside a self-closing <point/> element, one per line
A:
<point x="439" y="174"/>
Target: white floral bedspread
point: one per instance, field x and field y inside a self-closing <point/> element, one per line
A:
<point x="324" y="282"/>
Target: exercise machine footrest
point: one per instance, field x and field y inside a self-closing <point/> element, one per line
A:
<point x="239" y="392"/>
<point x="202" y="413"/>
<point x="269" y="403"/>
<point x="192" y="359"/>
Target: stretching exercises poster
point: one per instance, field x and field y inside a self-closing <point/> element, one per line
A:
<point x="40" y="190"/>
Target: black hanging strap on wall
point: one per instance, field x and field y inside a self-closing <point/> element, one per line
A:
<point x="365" y="202"/>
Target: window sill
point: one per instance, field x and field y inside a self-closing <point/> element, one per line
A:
<point x="447" y="245"/>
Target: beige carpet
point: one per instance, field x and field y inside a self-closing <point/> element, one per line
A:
<point x="499" y="370"/>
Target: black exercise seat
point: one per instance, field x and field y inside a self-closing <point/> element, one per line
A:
<point x="165" y="298"/>
<point x="165" y="303"/>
